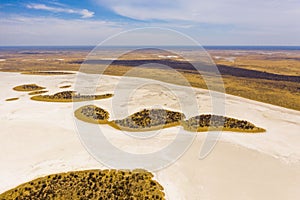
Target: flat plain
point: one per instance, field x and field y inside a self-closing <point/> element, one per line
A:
<point x="266" y="76"/>
<point x="41" y="137"/>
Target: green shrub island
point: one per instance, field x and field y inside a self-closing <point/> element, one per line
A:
<point x="69" y="96"/>
<point x="146" y="119"/>
<point x="28" y="88"/>
<point x="89" y="185"/>
<point x="216" y="122"/>
<point x="154" y="119"/>
<point x="92" y="114"/>
<point x="47" y="73"/>
<point x="37" y="92"/>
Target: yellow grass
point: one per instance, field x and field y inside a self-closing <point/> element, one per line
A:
<point x="286" y="63"/>
<point x="281" y="93"/>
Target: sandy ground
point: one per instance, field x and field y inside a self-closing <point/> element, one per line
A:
<point x="40" y="138"/>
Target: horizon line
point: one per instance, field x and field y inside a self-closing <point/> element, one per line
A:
<point x="219" y="45"/>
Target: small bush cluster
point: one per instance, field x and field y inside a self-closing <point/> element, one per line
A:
<point x="92" y="114"/>
<point x="28" y="87"/>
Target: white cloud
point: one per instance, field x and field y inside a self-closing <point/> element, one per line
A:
<point x="208" y="11"/>
<point x="237" y="21"/>
<point x="255" y="13"/>
<point x="86" y="13"/>
<point x="20" y="30"/>
<point x="83" y="12"/>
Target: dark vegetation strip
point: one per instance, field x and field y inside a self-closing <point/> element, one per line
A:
<point x="203" y="68"/>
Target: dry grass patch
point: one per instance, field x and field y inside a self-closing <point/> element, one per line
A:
<point x="280" y="93"/>
<point x="65" y="86"/>
<point x="12" y="99"/>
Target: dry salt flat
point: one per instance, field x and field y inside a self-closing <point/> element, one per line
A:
<point x="40" y="138"/>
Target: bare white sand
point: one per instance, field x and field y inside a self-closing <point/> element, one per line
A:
<point x="40" y="138"/>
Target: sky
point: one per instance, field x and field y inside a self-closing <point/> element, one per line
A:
<point x="209" y="22"/>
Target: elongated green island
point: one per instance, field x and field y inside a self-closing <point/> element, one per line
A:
<point x="92" y="114"/>
<point x="210" y="122"/>
<point x="90" y="185"/>
<point x="38" y="92"/>
<point x="46" y="73"/>
<point x="155" y="119"/>
<point x="149" y="119"/>
<point x="65" y="86"/>
<point x="12" y="99"/>
<point x="69" y="96"/>
<point x="28" y="87"/>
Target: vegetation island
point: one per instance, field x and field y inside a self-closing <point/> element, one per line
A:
<point x="215" y="122"/>
<point x="90" y="185"/>
<point x="45" y="73"/>
<point x="69" y="96"/>
<point x="28" y="88"/>
<point x="155" y="119"/>
<point x="146" y="120"/>
<point x="12" y="99"/>
<point x="65" y="86"/>
<point x="92" y="114"/>
<point x="38" y="92"/>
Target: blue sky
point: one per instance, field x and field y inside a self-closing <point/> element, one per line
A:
<point x="210" y="22"/>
